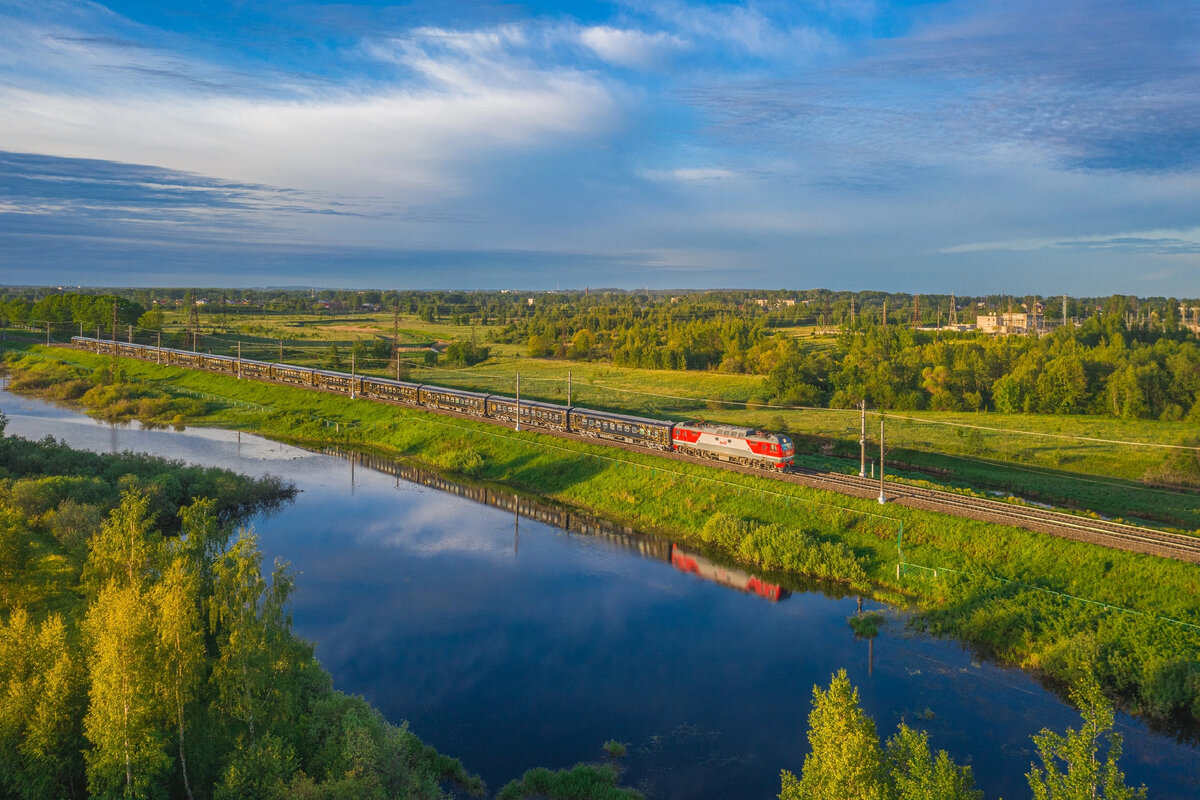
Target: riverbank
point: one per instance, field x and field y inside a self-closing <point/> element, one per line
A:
<point x="1021" y="597"/>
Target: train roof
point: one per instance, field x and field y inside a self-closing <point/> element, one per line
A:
<point x="621" y="417"/>
<point x="503" y="398"/>
<point x="723" y="430"/>
<point x="445" y="390"/>
<point x="391" y="382"/>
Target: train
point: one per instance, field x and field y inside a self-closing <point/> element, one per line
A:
<point x="728" y="444"/>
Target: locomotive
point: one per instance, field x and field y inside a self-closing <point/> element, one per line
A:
<point x="724" y="443"/>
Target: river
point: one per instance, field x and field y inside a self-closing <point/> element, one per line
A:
<point x="512" y="643"/>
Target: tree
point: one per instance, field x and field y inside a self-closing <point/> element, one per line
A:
<point x="540" y="346"/>
<point x="915" y="774"/>
<point x="257" y="653"/>
<point x="180" y="646"/>
<point x="39" y="718"/>
<point x="124" y="721"/>
<point x="127" y="547"/>
<point x="1072" y="768"/>
<point x="14" y="550"/>
<point x="333" y="357"/>
<point x="151" y="320"/>
<point x="846" y="762"/>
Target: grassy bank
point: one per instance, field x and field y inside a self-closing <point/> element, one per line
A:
<point x="1023" y="597"/>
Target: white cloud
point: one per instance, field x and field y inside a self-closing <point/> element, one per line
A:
<point x="468" y="96"/>
<point x="631" y="48"/>
<point x="690" y="174"/>
<point x="1158" y="239"/>
<point x="744" y="28"/>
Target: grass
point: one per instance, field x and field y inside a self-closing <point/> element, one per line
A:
<point x="866" y="624"/>
<point x="1009" y="592"/>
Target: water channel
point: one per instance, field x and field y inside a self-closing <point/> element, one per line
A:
<point x="512" y="636"/>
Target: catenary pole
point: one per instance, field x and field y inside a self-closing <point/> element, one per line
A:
<point x="862" y="443"/>
<point x="882" y="497"/>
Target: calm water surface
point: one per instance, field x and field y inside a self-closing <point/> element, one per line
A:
<point x="511" y="643"/>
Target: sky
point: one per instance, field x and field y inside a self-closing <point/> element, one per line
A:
<point x="969" y="146"/>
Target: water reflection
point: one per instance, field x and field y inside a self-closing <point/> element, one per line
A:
<point x="567" y="520"/>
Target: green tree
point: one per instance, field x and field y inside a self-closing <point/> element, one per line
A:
<point x="14" y="551"/>
<point x="846" y="762"/>
<point x="332" y="358"/>
<point x="1073" y="766"/>
<point x="42" y="688"/>
<point x="151" y="320"/>
<point x="127" y="547"/>
<point x="124" y="722"/>
<point x="181" y="647"/>
<point x="257" y="660"/>
<point x="915" y="774"/>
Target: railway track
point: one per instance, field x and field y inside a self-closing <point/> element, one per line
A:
<point x="1055" y="523"/>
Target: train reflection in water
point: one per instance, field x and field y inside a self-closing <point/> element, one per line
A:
<point x="573" y="522"/>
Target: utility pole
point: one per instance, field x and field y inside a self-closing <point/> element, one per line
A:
<point x="518" y="401"/>
<point x="862" y="442"/>
<point x="112" y="367"/>
<point x="131" y="334"/>
<point x="885" y="313"/>
<point x="351" y="374"/>
<point x="158" y="350"/>
<point x="568" y="400"/>
<point x="239" y="359"/>
<point x="1064" y="322"/>
<point x="882" y="497"/>
<point x="953" y="310"/>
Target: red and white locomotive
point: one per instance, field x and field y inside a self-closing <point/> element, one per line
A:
<point x="733" y="444"/>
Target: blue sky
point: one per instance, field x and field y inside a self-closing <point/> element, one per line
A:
<point x="970" y="147"/>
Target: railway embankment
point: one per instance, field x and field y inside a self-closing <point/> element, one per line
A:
<point x="1050" y="604"/>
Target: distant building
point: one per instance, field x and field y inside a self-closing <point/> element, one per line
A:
<point x="1010" y="322"/>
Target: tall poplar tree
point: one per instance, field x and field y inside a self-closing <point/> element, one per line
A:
<point x="180" y="648"/>
<point x="124" y="723"/>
